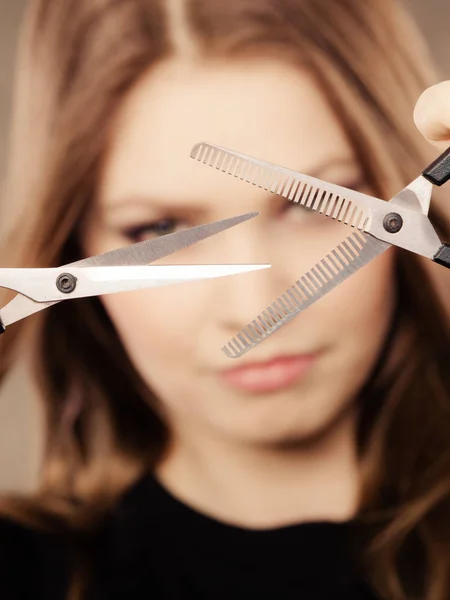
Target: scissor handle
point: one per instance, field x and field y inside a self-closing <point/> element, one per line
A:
<point x="443" y="256"/>
<point x="439" y="170"/>
<point x="439" y="173"/>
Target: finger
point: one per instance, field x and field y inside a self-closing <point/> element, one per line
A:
<point x="432" y="114"/>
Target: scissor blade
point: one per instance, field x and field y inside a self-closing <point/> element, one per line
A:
<point x="418" y="234"/>
<point x="350" y="255"/>
<point x="147" y="252"/>
<point x="334" y="201"/>
<point x="361" y="211"/>
<point x="416" y="196"/>
<point x="40" y="284"/>
<point x="138" y="254"/>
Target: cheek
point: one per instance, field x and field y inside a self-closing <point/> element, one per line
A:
<point x="353" y="319"/>
<point x="367" y="302"/>
<point x="158" y="326"/>
<point x="356" y="317"/>
<point x="365" y="297"/>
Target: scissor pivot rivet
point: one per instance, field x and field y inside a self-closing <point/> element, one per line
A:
<point x="393" y="222"/>
<point x="66" y="283"/>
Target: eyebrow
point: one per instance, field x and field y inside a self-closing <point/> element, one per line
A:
<point x="154" y="204"/>
<point x="328" y="164"/>
<point x="148" y="201"/>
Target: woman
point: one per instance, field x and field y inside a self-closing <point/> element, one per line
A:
<point x="316" y="468"/>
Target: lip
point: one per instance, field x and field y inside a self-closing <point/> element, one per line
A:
<point x="278" y="373"/>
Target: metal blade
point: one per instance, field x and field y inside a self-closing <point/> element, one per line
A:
<point x="137" y="254"/>
<point x="147" y="252"/>
<point x="40" y="284"/>
<point x="350" y="255"/>
<point x="333" y="201"/>
<point x="416" y="196"/>
<point x="353" y="208"/>
<point x="21" y="307"/>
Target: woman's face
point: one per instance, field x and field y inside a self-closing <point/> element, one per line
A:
<point x="301" y="380"/>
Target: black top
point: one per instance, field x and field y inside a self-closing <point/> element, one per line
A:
<point x="155" y="547"/>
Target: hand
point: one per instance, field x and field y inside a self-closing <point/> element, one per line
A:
<point x="432" y="114"/>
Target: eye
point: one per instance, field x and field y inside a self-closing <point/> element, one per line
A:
<point x="140" y="233"/>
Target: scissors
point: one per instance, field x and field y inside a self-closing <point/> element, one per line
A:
<point x="119" y="270"/>
<point x="403" y="221"/>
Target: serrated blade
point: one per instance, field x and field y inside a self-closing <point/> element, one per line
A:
<point x="354" y="252"/>
<point x="350" y="207"/>
<point x="334" y="201"/>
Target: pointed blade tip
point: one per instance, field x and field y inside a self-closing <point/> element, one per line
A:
<point x="214" y="271"/>
<point x="247" y="268"/>
<point x="256" y="267"/>
<point x="229" y="354"/>
<point x="194" y="151"/>
<point x="196" y="147"/>
<point x="241" y="218"/>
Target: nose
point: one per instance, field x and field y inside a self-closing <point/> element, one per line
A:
<point x="238" y="299"/>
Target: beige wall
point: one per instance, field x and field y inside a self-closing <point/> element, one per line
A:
<point x="18" y="431"/>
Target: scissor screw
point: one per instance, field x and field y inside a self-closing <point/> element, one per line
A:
<point x="66" y="283"/>
<point x="393" y="222"/>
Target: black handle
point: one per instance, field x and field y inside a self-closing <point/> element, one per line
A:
<point x="442" y="257"/>
<point x="439" y="170"/>
<point x="2" y="327"/>
<point x="439" y="173"/>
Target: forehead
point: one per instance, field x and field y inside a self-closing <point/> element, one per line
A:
<point x="263" y="107"/>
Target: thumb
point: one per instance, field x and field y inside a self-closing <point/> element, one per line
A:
<point x="432" y="114"/>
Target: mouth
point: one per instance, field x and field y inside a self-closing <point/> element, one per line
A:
<point x="272" y="375"/>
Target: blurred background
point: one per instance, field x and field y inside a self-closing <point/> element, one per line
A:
<point x="19" y="417"/>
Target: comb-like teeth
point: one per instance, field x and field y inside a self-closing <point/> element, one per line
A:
<point x="300" y="189"/>
<point x="354" y="252"/>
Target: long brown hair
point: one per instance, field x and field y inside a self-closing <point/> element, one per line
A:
<point x="78" y="59"/>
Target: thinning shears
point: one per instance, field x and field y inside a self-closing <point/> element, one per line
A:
<point x="403" y="221"/>
<point x="123" y="269"/>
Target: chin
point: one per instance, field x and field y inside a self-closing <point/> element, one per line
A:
<point x="282" y="432"/>
<point x="283" y="425"/>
